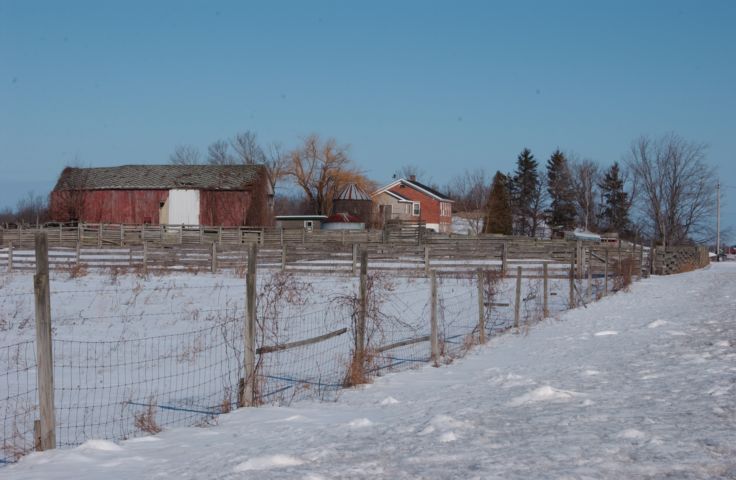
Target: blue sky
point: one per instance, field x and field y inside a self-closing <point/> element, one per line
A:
<point x="443" y="85"/>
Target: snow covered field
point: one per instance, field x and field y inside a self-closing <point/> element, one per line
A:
<point x="123" y="343"/>
<point x="638" y="385"/>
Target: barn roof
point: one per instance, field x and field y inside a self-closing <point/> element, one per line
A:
<point x="156" y="177"/>
<point x="352" y="191"/>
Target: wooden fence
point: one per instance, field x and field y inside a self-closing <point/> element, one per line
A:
<point x="451" y="255"/>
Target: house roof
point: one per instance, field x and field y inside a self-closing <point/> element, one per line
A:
<point x="352" y="191"/>
<point x="397" y="196"/>
<point x="157" y="177"/>
<point x="417" y="186"/>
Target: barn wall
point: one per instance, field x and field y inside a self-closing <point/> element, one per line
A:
<point x="108" y="206"/>
<point x="224" y="208"/>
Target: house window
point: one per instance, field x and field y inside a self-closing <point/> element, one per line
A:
<point x="445" y="209"/>
<point x="416" y="208"/>
<point x="308" y="225"/>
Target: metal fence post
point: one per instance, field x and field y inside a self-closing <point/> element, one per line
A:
<point x="44" y="352"/>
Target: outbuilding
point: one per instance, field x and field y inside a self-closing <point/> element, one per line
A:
<point x="227" y="195"/>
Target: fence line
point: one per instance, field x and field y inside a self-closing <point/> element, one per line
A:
<point x="303" y="347"/>
<point x="409" y="260"/>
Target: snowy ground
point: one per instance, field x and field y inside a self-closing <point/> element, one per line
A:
<point x="638" y="385"/>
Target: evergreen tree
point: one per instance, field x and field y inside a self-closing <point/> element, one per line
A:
<point x="526" y="195"/>
<point x="498" y="218"/>
<point x="615" y="212"/>
<point x="562" y="196"/>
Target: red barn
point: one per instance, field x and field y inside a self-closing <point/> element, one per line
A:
<point x="228" y="195"/>
<point x="409" y="200"/>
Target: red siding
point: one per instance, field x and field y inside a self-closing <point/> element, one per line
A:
<point x="109" y="206"/>
<point x="226" y="208"/>
<point x="430" y="210"/>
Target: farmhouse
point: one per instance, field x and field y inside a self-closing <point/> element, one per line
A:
<point x="411" y="201"/>
<point x="227" y="195"/>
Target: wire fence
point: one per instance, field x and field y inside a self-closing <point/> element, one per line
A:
<point x="129" y="385"/>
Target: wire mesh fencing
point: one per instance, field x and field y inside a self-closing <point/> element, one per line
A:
<point x="131" y="384"/>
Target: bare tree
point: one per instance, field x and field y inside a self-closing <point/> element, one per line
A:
<point x="185" y="155"/>
<point x="408" y="171"/>
<point x="250" y="152"/>
<point x="585" y="176"/>
<point x="33" y="209"/>
<point x="320" y="168"/>
<point x="676" y="188"/>
<point x="470" y="190"/>
<point x="218" y="153"/>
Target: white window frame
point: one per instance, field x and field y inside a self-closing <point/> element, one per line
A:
<point x="309" y="225"/>
<point x="416" y="209"/>
<point x="445" y="207"/>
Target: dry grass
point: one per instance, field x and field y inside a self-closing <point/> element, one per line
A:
<point x="687" y="267"/>
<point x="357" y="370"/>
<point x="75" y="270"/>
<point x="226" y="405"/>
<point x="145" y="421"/>
<point x="623" y="273"/>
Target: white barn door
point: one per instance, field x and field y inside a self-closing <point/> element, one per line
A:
<point x="183" y="207"/>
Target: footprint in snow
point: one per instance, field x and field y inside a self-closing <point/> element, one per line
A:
<point x="543" y="394"/>
<point x="268" y="462"/>
<point x="389" y="401"/>
<point x="605" y="333"/>
<point x="360" y="423"/>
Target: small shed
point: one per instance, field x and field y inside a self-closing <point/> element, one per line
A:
<point x="300" y="222"/>
<point x="583" y="235"/>
<point x="343" y="221"/>
<point x="353" y="201"/>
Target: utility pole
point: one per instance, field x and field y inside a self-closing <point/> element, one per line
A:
<point x="718" y="221"/>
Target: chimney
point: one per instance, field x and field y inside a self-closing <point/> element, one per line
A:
<point x="412" y="178"/>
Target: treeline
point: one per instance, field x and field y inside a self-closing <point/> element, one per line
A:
<point x="662" y="190"/>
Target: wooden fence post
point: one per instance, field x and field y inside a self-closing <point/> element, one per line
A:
<point x="283" y="259"/>
<point x="145" y="258"/>
<point x="572" y="280"/>
<point x="99" y="235"/>
<point x="590" y="274"/>
<point x="641" y="261"/>
<point x="581" y="258"/>
<point x="363" y="308"/>
<point x="78" y="253"/>
<point x="10" y="257"/>
<point x="517" y="304"/>
<point x="213" y="257"/>
<point x="355" y="256"/>
<point x="481" y="313"/>
<point x="545" y="307"/>
<point x="605" y="274"/>
<point x="426" y="260"/>
<point x="504" y="258"/>
<point x="434" y="330"/>
<point x="249" y="332"/>
<point x="44" y="352"/>
<point x="122" y="235"/>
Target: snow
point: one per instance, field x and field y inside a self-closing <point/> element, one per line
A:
<point x="557" y="401"/>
